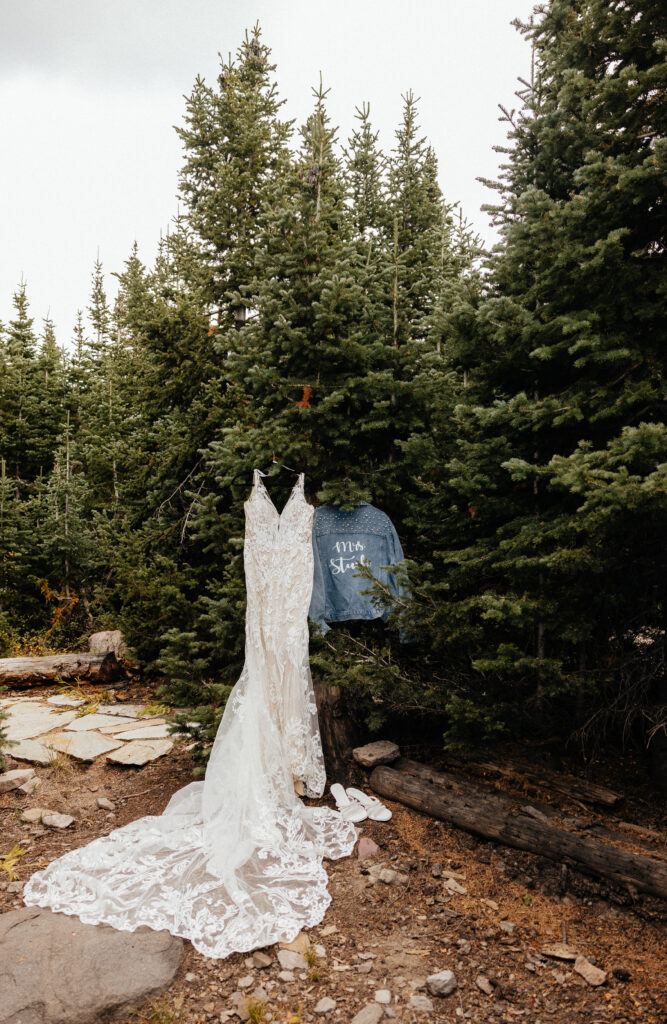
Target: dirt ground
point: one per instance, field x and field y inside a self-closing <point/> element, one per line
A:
<point x="379" y="936"/>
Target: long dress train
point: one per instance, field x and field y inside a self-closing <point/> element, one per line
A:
<point x="234" y="862"/>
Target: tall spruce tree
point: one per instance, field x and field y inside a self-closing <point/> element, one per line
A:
<point x="558" y="484"/>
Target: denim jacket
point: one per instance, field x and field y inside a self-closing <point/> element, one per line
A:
<point x="341" y="540"/>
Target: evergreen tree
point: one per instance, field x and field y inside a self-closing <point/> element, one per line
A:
<point x="556" y="486"/>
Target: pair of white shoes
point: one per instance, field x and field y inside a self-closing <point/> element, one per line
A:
<point x="355" y="805"/>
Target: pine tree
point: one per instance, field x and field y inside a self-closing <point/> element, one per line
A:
<point x="556" y="487"/>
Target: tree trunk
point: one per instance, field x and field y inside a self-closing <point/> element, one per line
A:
<point x="497" y="816"/>
<point x="79" y="667"/>
<point x="338" y="733"/>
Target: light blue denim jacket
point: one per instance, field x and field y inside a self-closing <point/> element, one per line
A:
<point x="340" y="540"/>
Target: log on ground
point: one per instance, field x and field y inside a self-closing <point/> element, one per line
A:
<point x="496" y="816"/>
<point x="80" y="666"/>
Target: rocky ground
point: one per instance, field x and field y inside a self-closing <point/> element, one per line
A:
<point x="509" y="936"/>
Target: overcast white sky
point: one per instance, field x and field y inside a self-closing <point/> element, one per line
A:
<point x="90" y="91"/>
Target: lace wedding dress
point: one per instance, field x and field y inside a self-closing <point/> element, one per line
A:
<point x="234" y="862"/>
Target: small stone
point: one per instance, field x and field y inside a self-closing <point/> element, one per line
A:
<point x="464" y="947"/>
<point x="484" y="984"/>
<point x="364" y="968"/>
<point x="15" y="887"/>
<point x="388" y="876"/>
<point x="260" y="960"/>
<point x="290" y="960"/>
<point x="190" y="976"/>
<point x="325" y="1005"/>
<point x="455" y="887"/>
<point x="593" y="975"/>
<point x="246" y="981"/>
<point x="34" y="813"/>
<point x="383" y="996"/>
<point x="491" y="904"/>
<point x="260" y="994"/>
<point x="369" y="1014"/>
<point x="30" y="786"/>
<point x="299" y="944"/>
<point x="441" y="984"/>
<point x="422" y="1004"/>
<point x="380" y="752"/>
<point x="14" y="779"/>
<point x="57" y="820"/>
<point x="388" y="1012"/>
<point x="436" y="870"/>
<point x="285" y="975"/>
<point x="366" y="848"/>
<point x="105" y="804"/>
<point x="507" y="927"/>
<point x="560" y="951"/>
<point x="329" y="930"/>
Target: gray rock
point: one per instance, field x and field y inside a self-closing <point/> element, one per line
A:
<point x="83" y="746"/>
<point x="65" y="702"/>
<point x="441" y="984"/>
<point x="146" y="732"/>
<point x="325" y="1005"/>
<point x="47" y="975"/>
<point x="369" y="1014"/>
<point x="260" y="994"/>
<point x="14" y="779"/>
<point x="246" y="981"/>
<point x="33" y="814"/>
<point x="57" y="820"/>
<point x="367" y="848"/>
<point x="464" y="947"/>
<point x="30" y="786"/>
<point x="388" y="876"/>
<point x="105" y="803"/>
<point x="364" y="968"/>
<point x="15" y="887"/>
<point x="27" y="720"/>
<point x="32" y="750"/>
<point x="507" y="927"/>
<point x="383" y="996"/>
<point x="484" y="984"/>
<point x="290" y="960"/>
<point x="260" y="960"/>
<point x="380" y="752"/>
<point x="592" y="975"/>
<point x="286" y="975"/>
<point x="140" y="751"/>
<point x="422" y="1004"/>
<point x="106" y="641"/>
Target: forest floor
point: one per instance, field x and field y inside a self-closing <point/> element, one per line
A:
<point x="379" y="941"/>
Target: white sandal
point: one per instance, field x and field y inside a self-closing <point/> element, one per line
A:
<point x="350" y="809"/>
<point x="375" y="810"/>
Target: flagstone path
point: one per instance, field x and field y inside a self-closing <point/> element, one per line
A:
<point x="46" y="726"/>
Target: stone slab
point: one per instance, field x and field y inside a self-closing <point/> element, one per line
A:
<point x="140" y="751"/>
<point x="56" y="969"/>
<point x="92" y="721"/>
<point x="83" y="746"/>
<point x="27" y="720"/>
<point x="65" y="702"/>
<point x="32" y="750"/>
<point x="378" y="752"/>
<point x="130" y="724"/>
<point x="149" y="732"/>
<point x="127" y="710"/>
<point x="15" y="778"/>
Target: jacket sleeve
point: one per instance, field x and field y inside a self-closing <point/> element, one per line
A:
<point x="318" y="596"/>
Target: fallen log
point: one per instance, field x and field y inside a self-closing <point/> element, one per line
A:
<point x="80" y="666"/>
<point x="569" y="785"/>
<point x="496" y="816"/>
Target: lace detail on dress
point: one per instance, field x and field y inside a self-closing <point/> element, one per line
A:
<point x="234" y="862"/>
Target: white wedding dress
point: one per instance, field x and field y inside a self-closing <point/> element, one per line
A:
<point x="234" y="862"/>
